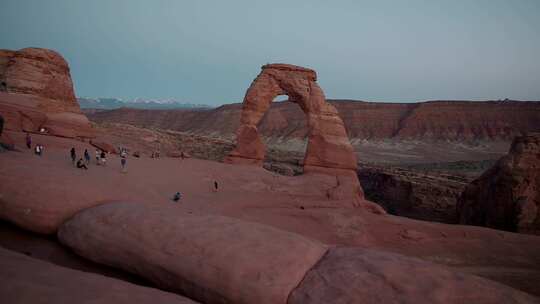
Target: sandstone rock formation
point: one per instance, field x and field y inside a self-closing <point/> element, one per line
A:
<point x="328" y="150"/>
<point x="217" y="259"/>
<point x="507" y="196"/>
<point x="356" y="275"/>
<point x="213" y="259"/>
<point x="104" y="146"/>
<point x="36" y="92"/>
<point x="328" y="144"/>
<point x="26" y="280"/>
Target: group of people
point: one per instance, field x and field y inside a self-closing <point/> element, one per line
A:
<point x="81" y="164"/>
<point x="38" y="149"/>
<point x="101" y="158"/>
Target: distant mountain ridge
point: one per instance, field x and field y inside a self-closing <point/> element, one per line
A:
<point x="432" y="120"/>
<point x="136" y="103"/>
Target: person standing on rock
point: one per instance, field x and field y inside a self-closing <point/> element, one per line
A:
<point x="73" y="156"/>
<point x="103" y="158"/>
<point x="28" y="141"/>
<point x="98" y="153"/>
<point x="86" y="157"/>
<point x="123" y="162"/>
<point x="39" y="150"/>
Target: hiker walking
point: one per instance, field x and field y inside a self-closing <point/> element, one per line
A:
<point x="73" y="156"/>
<point x="39" y="150"/>
<point x="103" y="158"/>
<point x="28" y="141"/>
<point x="98" y="153"/>
<point x="123" y="162"/>
<point x="86" y="157"/>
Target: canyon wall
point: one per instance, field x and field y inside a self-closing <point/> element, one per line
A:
<point x="433" y="120"/>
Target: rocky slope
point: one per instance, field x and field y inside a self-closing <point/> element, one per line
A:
<point x="433" y="120"/>
<point x="36" y="92"/>
<point x="507" y="196"/>
<point x="424" y="195"/>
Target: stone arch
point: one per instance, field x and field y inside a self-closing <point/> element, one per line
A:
<point x="328" y="144"/>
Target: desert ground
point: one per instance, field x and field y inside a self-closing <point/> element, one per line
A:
<point x="292" y="203"/>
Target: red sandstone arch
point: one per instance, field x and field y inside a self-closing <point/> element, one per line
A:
<point x="328" y="144"/>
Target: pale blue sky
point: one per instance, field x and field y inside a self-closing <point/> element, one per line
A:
<point x="210" y="51"/>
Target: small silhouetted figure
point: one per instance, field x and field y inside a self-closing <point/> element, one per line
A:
<point x="177" y="196"/>
<point x="182" y="155"/>
<point x="81" y="165"/>
<point x="215" y="186"/>
<point x="103" y="158"/>
<point x="73" y="156"/>
<point x="98" y="153"/>
<point x="123" y="162"/>
<point x="28" y="141"/>
<point x="38" y="150"/>
<point x="86" y="157"/>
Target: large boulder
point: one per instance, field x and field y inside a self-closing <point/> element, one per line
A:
<point x="213" y="259"/>
<point x="26" y="280"/>
<point x="356" y="275"/>
<point x="36" y="93"/>
<point x="507" y="196"/>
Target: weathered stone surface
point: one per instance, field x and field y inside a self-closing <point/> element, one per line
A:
<point x="103" y="146"/>
<point x="328" y="144"/>
<point x="26" y="280"/>
<point x="507" y="196"/>
<point x="328" y="150"/>
<point x="285" y="121"/>
<point x="412" y="193"/>
<point x="36" y="92"/>
<point x="356" y="275"/>
<point x="213" y="259"/>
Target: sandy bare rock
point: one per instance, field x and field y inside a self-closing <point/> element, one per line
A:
<point x="26" y="280"/>
<point x="213" y="259"/>
<point x="36" y="91"/>
<point x="356" y="275"/>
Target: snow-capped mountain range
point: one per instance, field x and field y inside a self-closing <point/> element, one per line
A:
<point x="138" y="103"/>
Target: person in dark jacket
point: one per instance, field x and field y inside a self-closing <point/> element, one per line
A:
<point x="73" y="155"/>
<point x="86" y="157"/>
<point x="81" y="165"/>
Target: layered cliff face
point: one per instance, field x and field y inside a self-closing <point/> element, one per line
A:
<point x="36" y="92"/>
<point x="507" y="196"/>
<point x="436" y="120"/>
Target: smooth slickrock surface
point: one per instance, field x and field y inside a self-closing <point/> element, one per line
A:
<point x="507" y="196"/>
<point x="36" y="91"/>
<point x="40" y="193"/>
<point x="213" y="259"/>
<point x="26" y="280"/>
<point x="356" y="275"/>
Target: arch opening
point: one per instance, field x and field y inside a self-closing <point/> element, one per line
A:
<point x="284" y="132"/>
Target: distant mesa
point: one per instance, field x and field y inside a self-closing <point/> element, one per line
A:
<point x="36" y="93"/>
<point x="507" y="196"/>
